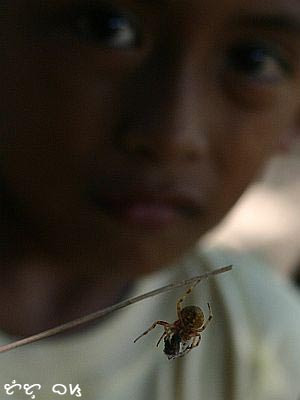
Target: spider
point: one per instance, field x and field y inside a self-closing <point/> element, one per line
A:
<point x="184" y="334"/>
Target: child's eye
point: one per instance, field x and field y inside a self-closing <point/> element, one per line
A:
<point x="258" y="62"/>
<point x="105" y="26"/>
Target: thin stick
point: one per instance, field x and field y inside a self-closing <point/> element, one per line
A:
<point x="101" y="313"/>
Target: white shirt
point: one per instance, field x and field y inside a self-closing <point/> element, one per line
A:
<point x="249" y="351"/>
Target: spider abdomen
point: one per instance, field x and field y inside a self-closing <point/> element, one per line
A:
<point x="192" y="317"/>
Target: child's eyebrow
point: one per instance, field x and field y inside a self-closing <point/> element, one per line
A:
<point x="279" y="22"/>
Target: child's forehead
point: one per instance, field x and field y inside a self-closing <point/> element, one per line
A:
<point x="286" y="4"/>
<point x="194" y="8"/>
<point x="279" y="6"/>
<point x="281" y="15"/>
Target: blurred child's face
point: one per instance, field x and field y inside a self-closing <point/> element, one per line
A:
<point x="130" y="127"/>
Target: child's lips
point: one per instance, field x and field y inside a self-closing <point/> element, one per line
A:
<point x="150" y="211"/>
<point x="146" y="213"/>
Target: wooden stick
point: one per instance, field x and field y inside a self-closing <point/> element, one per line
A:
<point x="101" y="313"/>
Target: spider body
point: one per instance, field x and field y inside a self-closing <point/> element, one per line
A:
<point x="184" y="334"/>
<point x="191" y="319"/>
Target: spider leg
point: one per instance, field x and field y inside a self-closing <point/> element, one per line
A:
<point x="168" y="331"/>
<point x="181" y="299"/>
<point x="162" y="336"/>
<point x="163" y="323"/>
<point x="195" y="343"/>
<point x="208" y="319"/>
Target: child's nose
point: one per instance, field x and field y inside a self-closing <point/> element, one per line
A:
<point x="168" y="120"/>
